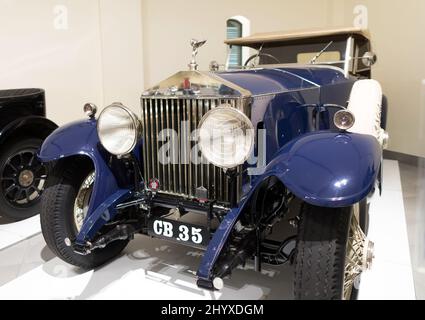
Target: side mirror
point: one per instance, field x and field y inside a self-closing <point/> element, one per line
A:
<point x="369" y="59"/>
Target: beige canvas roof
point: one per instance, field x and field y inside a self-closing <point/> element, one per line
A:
<point x="296" y="35"/>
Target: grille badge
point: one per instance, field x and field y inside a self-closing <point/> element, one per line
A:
<point x="202" y="194"/>
<point x="154" y="184"/>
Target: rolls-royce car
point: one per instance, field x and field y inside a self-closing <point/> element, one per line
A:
<point x="23" y="127"/>
<point x="271" y="162"/>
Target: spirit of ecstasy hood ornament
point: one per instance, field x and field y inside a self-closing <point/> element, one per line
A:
<point x="193" y="65"/>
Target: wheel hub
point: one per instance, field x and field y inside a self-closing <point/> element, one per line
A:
<point x="22" y="178"/>
<point x="82" y="201"/>
<point x="26" y="178"/>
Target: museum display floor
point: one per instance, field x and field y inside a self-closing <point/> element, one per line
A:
<point x="12" y="233"/>
<point x="155" y="269"/>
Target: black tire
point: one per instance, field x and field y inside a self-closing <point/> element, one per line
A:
<point x="364" y="216"/>
<point x="57" y="222"/>
<point x="321" y="250"/>
<point x="9" y="206"/>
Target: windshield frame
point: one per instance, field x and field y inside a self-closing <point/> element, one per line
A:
<point x="349" y="62"/>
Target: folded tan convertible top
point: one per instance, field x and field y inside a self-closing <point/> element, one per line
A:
<point x="283" y="36"/>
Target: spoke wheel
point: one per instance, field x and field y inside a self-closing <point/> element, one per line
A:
<point x="359" y="255"/>
<point x="22" y="179"/>
<point x="82" y="201"/>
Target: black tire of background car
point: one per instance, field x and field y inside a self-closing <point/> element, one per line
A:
<point x="8" y="151"/>
<point x="57" y="222"/>
<point x="320" y="254"/>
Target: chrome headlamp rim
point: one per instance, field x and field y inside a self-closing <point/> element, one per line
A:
<point x="246" y="120"/>
<point x="340" y="113"/>
<point x="134" y="119"/>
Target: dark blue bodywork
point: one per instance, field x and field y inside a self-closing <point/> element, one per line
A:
<point x="80" y="139"/>
<point x="318" y="164"/>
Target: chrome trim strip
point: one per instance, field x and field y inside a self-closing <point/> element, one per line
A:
<point x="244" y="92"/>
<point x="156" y="141"/>
<point x="185" y="165"/>
<point x="179" y="189"/>
<point x="349" y="57"/>
<point x="152" y="153"/>
<point x="145" y="141"/>
<point x="167" y="115"/>
<point x="161" y="116"/>
<point x="175" y="156"/>
<point x="189" y="107"/>
<point x="297" y="76"/>
<point x="194" y="123"/>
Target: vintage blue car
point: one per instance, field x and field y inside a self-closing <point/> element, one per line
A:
<point x="216" y="159"/>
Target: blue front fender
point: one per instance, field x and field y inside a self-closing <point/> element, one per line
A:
<point x="329" y="169"/>
<point x="80" y="138"/>
<point x="322" y="168"/>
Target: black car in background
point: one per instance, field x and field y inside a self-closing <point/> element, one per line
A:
<point x="23" y="127"/>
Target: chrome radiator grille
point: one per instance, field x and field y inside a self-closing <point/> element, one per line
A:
<point x="181" y="177"/>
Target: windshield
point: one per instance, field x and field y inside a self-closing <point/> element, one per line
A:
<point x="304" y="53"/>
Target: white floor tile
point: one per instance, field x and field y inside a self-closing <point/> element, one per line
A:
<point x="391" y="276"/>
<point x="8" y="238"/>
<point x="391" y="179"/>
<point x="12" y="233"/>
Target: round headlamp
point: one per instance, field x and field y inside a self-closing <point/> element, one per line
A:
<point x="226" y="137"/>
<point x="118" y="129"/>
<point x="344" y="119"/>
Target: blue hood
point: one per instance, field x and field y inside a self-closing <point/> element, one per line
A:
<point x="278" y="80"/>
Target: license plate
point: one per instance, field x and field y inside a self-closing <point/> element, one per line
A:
<point x="184" y="233"/>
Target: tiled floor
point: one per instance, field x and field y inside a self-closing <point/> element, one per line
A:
<point x="13" y="233"/>
<point x="32" y="254"/>
<point x="413" y="185"/>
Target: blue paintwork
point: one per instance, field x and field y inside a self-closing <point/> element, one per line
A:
<point x="267" y="81"/>
<point x="279" y="80"/>
<point x="102" y="214"/>
<point x="80" y="138"/>
<point x="317" y="164"/>
<point x="328" y="169"/>
<point x="319" y="75"/>
<point x="218" y="242"/>
<point x="325" y="169"/>
<point x="282" y="99"/>
<point x="288" y="113"/>
<point x="76" y="138"/>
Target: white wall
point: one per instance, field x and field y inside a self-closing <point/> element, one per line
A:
<point x="122" y="51"/>
<point x="112" y="48"/>
<point x="397" y="29"/>
<point x="397" y="35"/>
<point x="96" y="58"/>
<point x="168" y="27"/>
